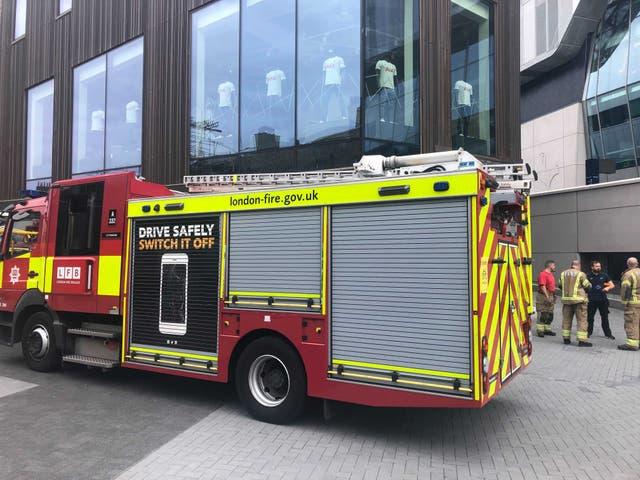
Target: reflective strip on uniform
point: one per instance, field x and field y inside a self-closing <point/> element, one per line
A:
<point x="566" y="333"/>
<point x="547" y="328"/>
<point x="540" y="327"/>
<point x="582" y="336"/>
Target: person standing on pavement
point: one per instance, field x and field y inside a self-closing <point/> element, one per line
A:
<point x="601" y="284"/>
<point x="574" y="285"/>
<point x="630" y="296"/>
<point x="546" y="299"/>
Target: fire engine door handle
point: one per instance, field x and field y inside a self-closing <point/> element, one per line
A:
<point x="32" y="274"/>
<point x="89" y="276"/>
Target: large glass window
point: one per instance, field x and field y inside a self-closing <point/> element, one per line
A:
<point x="472" y="76"/>
<point x="593" y="124"/>
<point x="268" y="74"/>
<point x="328" y="69"/>
<point x="634" y="109"/>
<point x="214" y="79"/>
<point x="20" y="19"/>
<point x="613" y="46"/>
<point x="634" y="38"/>
<point x="39" y="135"/>
<point x="392" y="109"/>
<point x="615" y="128"/>
<point x="107" y="111"/>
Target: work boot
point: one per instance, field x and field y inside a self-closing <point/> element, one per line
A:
<point x="611" y="337"/>
<point x="550" y="333"/>
<point x="567" y="341"/>
<point x="627" y="347"/>
<point x="585" y="344"/>
<point x="540" y="334"/>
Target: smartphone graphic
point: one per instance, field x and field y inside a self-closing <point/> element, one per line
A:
<point x="174" y="279"/>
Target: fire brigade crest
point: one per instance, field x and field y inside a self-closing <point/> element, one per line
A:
<point x="14" y="275"/>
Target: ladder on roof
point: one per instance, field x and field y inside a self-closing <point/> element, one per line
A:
<point x="507" y="176"/>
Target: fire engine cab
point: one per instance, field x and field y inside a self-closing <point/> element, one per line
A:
<point x="404" y="281"/>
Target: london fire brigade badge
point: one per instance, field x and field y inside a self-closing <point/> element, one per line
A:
<point x="14" y="275"/>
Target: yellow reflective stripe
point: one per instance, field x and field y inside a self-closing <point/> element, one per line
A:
<point x="275" y="294"/>
<point x="48" y="275"/>
<point x="577" y="285"/>
<point x="582" y="335"/>
<point x="392" y="368"/>
<point x="633" y="343"/>
<point x="325" y="256"/>
<point x="223" y="255"/>
<point x="175" y="354"/>
<point x="109" y="268"/>
<point x="566" y="333"/>
<point x="460" y="184"/>
<point x="36" y="264"/>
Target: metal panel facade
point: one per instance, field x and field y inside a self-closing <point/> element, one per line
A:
<point x="276" y="251"/>
<point x="400" y="284"/>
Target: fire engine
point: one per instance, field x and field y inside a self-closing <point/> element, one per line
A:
<point x="403" y="281"/>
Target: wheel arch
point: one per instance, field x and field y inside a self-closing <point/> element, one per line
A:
<point x="31" y="301"/>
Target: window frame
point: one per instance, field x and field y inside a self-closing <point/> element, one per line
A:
<point x="105" y="54"/>
<point x="9" y="226"/>
<point x="17" y="38"/>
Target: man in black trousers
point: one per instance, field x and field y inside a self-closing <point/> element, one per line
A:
<point x="601" y="284"/>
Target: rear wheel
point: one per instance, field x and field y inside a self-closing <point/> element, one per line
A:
<point x="38" y="343"/>
<point x="271" y="381"/>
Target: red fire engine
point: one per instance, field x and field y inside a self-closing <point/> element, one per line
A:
<point x="405" y="281"/>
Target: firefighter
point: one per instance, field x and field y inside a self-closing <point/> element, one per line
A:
<point x="546" y="299"/>
<point x="630" y="295"/>
<point x="574" y="285"/>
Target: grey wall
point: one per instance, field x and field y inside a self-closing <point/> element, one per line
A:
<point x="588" y="220"/>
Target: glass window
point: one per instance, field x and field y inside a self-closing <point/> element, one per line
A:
<point x="472" y="76"/>
<point x="214" y="79"/>
<point x="268" y="74"/>
<point x="634" y="38"/>
<point x="634" y="109"/>
<point x="593" y="124"/>
<point x="123" y="138"/>
<point x="615" y="129"/>
<point x="107" y="111"/>
<point x="79" y="217"/>
<point x="391" y="76"/>
<point x="64" y="6"/>
<point x="592" y="79"/>
<point x="613" y="46"/>
<point x="24" y="235"/>
<point x="20" y="26"/>
<point x="39" y="134"/>
<point x="89" y="85"/>
<point x="541" y="26"/>
<point x="328" y="69"/>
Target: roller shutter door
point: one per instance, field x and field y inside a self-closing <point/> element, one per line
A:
<point x="276" y="251"/>
<point x="400" y="285"/>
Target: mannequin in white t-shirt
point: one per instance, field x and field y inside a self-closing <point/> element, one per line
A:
<point x="274" y="79"/>
<point x="226" y="107"/>
<point x="387" y="97"/>
<point x="333" y="70"/>
<point x="463" y="102"/>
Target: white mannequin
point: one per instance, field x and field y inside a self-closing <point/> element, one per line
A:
<point x="387" y="72"/>
<point x="225" y="92"/>
<point x="274" y="81"/>
<point x="464" y="93"/>
<point x="332" y="68"/>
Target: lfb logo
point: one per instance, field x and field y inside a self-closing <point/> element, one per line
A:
<point x="68" y="273"/>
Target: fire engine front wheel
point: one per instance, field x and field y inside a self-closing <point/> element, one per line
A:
<point x="38" y="343"/>
<point x="271" y="381"/>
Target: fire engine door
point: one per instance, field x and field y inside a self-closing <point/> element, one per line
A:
<point x="23" y="264"/>
<point x="512" y="312"/>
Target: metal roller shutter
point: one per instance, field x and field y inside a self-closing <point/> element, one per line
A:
<point x="276" y="251"/>
<point x="400" y="285"/>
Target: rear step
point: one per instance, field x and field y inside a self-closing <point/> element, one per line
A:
<point x="91" y="361"/>
<point x="90" y="332"/>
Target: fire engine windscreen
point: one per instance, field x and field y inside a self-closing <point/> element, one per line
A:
<point x="79" y="218"/>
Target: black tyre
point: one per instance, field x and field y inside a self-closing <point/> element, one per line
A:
<point x="39" y="343"/>
<point x="271" y="381"/>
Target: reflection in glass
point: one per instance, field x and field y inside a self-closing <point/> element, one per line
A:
<point x="39" y="133"/>
<point x="613" y="46"/>
<point x="391" y="73"/>
<point x="634" y="39"/>
<point x="64" y="6"/>
<point x="634" y="109"/>
<point x="89" y="116"/>
<point x="472" y="76"/>
<point x="20" y="25"/>
<point x="328" y="69"/>
<point x="214" y="79"/>
<point x="268" y="74"/>
<point x="593" y="124"/>
<point x="615" y="128"/>
<point x="124" y="105"/>
<point x="591" y="89"/>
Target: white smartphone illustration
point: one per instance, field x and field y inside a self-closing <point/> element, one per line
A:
<point x="174" y="283"/>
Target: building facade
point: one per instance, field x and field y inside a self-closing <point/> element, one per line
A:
<point x="581" y="128"/>
<point x="231" y="86"/>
